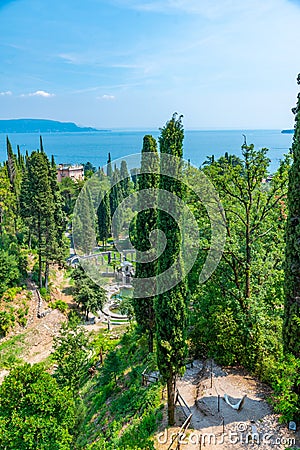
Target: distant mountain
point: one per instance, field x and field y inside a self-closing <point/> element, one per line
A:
<point x="288" y="131"/>
<point x="40" y="126"/>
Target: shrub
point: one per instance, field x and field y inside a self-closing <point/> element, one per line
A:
<point x="60" y="305"/>
<point x="286" y="383"/>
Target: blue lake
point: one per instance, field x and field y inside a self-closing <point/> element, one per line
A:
<point x="198" y="144"/>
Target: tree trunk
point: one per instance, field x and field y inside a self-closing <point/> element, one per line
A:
<point x="248" y="256"/>
<point x="46" y="274"/>
<point x="150" y="340"/>
<point x="171" y="398"/>
<point x="40" y="270"/>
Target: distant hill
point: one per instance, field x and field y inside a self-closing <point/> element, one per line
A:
<point x="288" y="131"/>
<point x="40" y="126"/>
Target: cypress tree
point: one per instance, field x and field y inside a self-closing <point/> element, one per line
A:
<point x="41" y="145"/>
<point x="291" y="327"/>
<point x="84" y="222"/>
<point x="109" y="168"/>
<point x="104" y="219"/>
<point x="145" y="223"/>
<point x="125" y="177"/>
<point x="56" y="246"/>
<point x="115" y="199"/>
<point x="37" y="205"/>
<point x="170" y="307"/>
<point x="15" y="174"/>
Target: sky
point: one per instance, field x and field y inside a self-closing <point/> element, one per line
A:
<point x="132" y="63"/>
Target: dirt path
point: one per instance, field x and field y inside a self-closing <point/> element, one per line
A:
<point x="255" y="426"/>
<point x="39" y="332"/>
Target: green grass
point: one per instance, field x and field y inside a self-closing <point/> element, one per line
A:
<point x="10" y="351"/>
<point x="117" y="411"/>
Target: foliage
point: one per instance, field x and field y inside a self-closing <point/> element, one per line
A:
<point x="69" y="190"/>
<point x="60" y="305"/>
<point x="122" y="414"/>
<point x="104" y="219"/>
<point x="34" y="412"/>
<point x="291" y="330"/>
<point x="236" y="316"/>
<point x="145" y="224"/>
<point x="71" y="354"/>
<point x="171" y="306"/>
<point x="9" y="271"/>
<point x="45" y="294"/>
<point x="86" y="293"/>
<point x="10" y="352"/>
<point x="41" y="210"/>
<point x="285" y="379"/>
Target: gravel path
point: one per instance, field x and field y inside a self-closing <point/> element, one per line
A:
<point x="255" y="426"/>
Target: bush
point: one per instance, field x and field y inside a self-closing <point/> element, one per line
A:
<point x="7" y="320"/>
<point x="60" y="305"/>
<point x="45" y="294"/>
<point x="286" y="384"/>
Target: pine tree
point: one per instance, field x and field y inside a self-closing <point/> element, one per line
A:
<point x="145" y="223"/>
<point x="291" y="328"/>
<point x="171" y="306"/>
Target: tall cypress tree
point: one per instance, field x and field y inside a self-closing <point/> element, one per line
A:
<point x="291" y="327"/>
<point x="109" y="168"/>
<point x="125" y="177"/>
<point x="171" y="306"/>
<point x="55" y="243"/>
<point x="145" y="223"/>
<point x="104" y="219"/>
<point x="14" y="174"/>
<point x="115" y="199"/>
<point x="37" y="205"/>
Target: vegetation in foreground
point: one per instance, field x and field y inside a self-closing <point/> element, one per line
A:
<point x="247" y="313"/>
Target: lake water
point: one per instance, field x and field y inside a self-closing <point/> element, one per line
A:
<point x="94" y="147"/>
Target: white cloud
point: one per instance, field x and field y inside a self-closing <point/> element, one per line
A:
<point x="205" y="8"/>
<point x="38" y="94"/>
<point x="5" y="93"/>
<point x="106" y="97"/>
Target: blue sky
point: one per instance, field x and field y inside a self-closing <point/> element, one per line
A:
<point x="132" y="63"/>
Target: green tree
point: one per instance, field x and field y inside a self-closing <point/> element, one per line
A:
<point x="171" y="306"/>
<point x="237" y="313"/>
<point x="126" y="183"/>
<point x="84" y="222"/>
<point x="291" y="329"/>
<point x="9" y="271"/>
<point x="116" y="196"/>
<point x="69" y="190"/>
<point x="89" y="169"/>
<point x="34" y="412"/>
<point x="71" y="350"/>
<point x="7" y="203"/>
<point x="41" y="210"/>
<point x="109" y="167"/>
<point x="87" y="294"/>
<point x="104" y="219"/>
<point x="146" y="222"/>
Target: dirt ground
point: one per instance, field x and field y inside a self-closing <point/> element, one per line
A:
<point x="255" y="426"/>
<point x="40" y="332"/>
